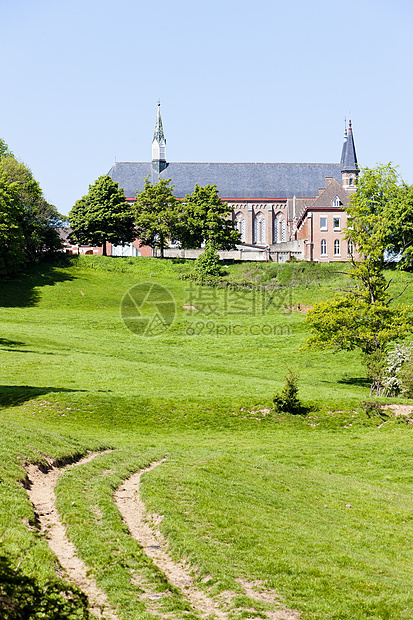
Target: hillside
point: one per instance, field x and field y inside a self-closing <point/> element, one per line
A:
<point x="315" y="508"/>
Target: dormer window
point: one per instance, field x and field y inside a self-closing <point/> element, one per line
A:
<point x="336" y="202"/>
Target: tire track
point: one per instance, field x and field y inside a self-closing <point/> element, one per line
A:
<point x="41" y="491"/>
<point x="133" y="511"/>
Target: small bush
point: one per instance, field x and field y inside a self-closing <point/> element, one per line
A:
<point x="406" y="378"/>
<point x="287" y="400"/>
<point x="371" y="408"/>
<point x="22" y="597"/>
<point x="207" y="263"/>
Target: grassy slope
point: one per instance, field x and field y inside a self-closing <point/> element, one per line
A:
<point x="259" y="498"/>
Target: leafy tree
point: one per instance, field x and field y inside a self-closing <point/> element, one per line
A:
<point x="11" y="234"/>
<point x="4" y="149"/>
<point x="364" y="318"/>
<point x="156" y="214"/>
<point x="399" y="217"/>
<point x="204" y="218"/>
<point x="39" y="220"/>
<point x="103" y="215"/>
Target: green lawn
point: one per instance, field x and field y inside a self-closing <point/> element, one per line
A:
<point x="243" y="494"/>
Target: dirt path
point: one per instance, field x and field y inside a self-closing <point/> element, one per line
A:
<point x="134" y="514"/>
<point x="42" y="496"/>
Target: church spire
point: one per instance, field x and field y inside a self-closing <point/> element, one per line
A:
<point x="350" y="157"/>
<point x="159" y="142"/>
<point x="349" y="164"/>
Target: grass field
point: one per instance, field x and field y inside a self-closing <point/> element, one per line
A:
<point x="244" y="494"/>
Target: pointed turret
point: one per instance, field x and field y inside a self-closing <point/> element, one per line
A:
<point x="159" y="144"/>
<point x="349" y="164"/>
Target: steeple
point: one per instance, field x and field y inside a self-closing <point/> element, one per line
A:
<point x="159" y="144"/>
<point x="349" y="164"/>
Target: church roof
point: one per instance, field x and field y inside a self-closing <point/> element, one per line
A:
<point x="349" y="158"/>
<point x="234" y="181"/>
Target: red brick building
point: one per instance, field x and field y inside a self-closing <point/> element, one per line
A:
<point x="292" y="209"/>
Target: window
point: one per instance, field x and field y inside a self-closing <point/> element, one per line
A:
<point x="323" y="223"/>
<point x="336" y="202"/>
<point x="350" y="181"/>
<point x="323" y="247"/>
<point x="276" y="230"/>
<point x="336" y="247"/>
<point x="240" y="224"/>
<point x="259" y="230"/>
<point x="283" y="231"/>
<point x="242" y="230"/>
<point x="350" y="247"/>
<point x="337" y="223"/>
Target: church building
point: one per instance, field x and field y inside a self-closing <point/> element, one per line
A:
<point x="284" y="210"/>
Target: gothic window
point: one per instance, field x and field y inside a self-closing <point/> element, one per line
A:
<point x="283" y="231"/>
<point x="276" y="230"/>
<point x="323" y="247"/>
<point x="336" y="247"/>
<point x="259" y="230"/>
<point x="240" y="224"/>
<point x="336" y="202"/>
<point x="242" y="230"/>
<point x="350" y="247"/>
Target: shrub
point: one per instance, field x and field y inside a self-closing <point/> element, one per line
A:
<point x="22" y="597"/>
<point x="207" y="263"/>
<point x="398" y="370"/>
<point x="287" y="400"/>
<point x="406" y="378"/>
<point x="371" y="408"/>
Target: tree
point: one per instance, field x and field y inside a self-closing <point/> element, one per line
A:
<point x="12" y="256"/>
<point x="399" y="216"/>
<point x="103" y="215"/>
<point x="4" y="149"/>
<point x="156" y="214"/>
<point x="364" y="318"/>
<point x="204" y="218"/>
<point x="39" y="220"/>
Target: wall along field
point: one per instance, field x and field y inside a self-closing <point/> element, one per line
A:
<point x="317" y="507"/>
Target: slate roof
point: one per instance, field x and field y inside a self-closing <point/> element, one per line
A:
<point x="349" y="153"/>
<point x="234" y="181"/>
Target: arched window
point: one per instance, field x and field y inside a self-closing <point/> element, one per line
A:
<point x="336" y="202"/>
<point x="283" y="231"/>
<point x="350" y="247"/>
<point x="336" y="247"/>
<point x="276" y="229"/>
<point x="323" y="247"/>
<point x="259" y="230"/>
<point x="240" y="224"/>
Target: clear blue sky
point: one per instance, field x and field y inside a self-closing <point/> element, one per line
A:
<point x="256" y="81"/>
